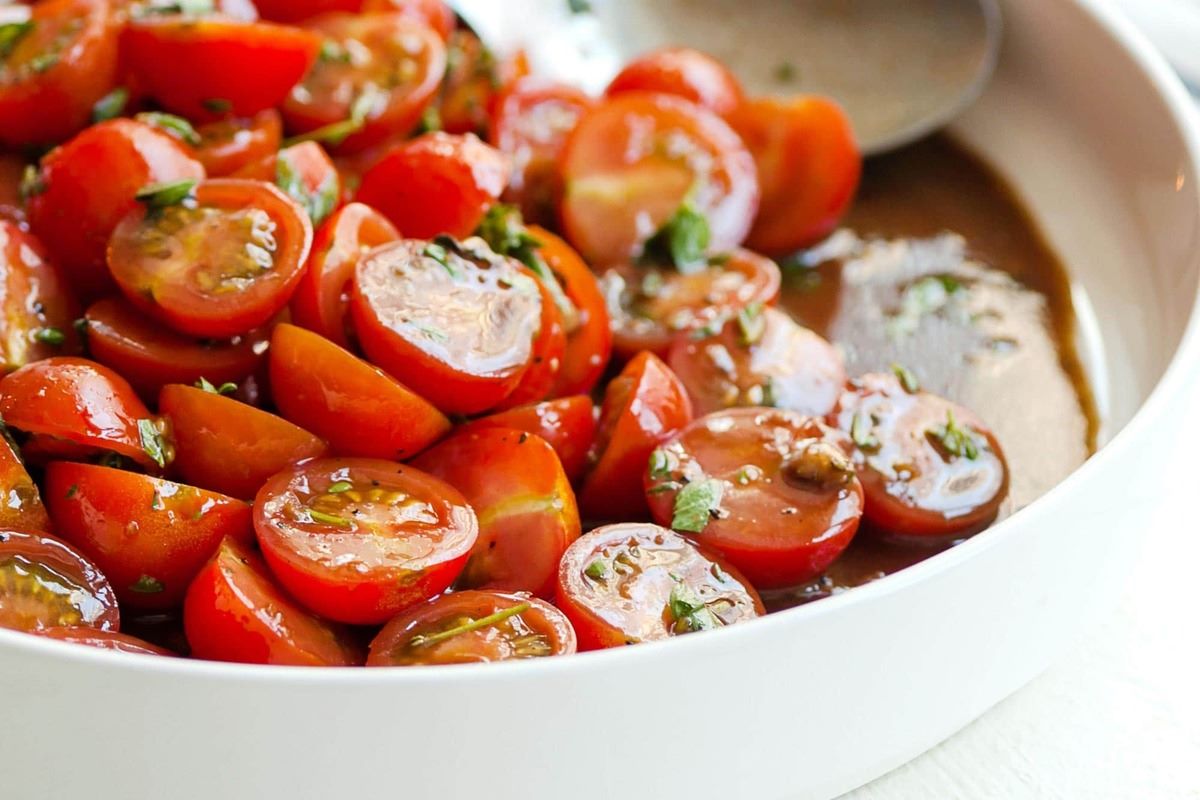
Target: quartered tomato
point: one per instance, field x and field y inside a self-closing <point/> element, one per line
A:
<point x="228" y="145"/>
<point x="417" y="308"/>
<point x="567" y="424"/>
<point x="808" y="167"/>
<point x="322" y="300"/>
<point x="20" y="503"/>
<point x="523" y="500"/>
<point x="548" y="350"/>
<point x="474" y="79"/>
<point x="149" y="535"/>
<point x="760" y="358"/>
<point x="636" y="582"/>
<point x="55" y="63"/>
<point x="683" y="72"/>
<point x="643" y="406"/>
<point x="224" y="620"/>
<point x="635" y="159"/>
<point x="86" y="186"/>
<point x="472" y="628"/>
<point x="431" y="13"/>
<point x="293" y="11"/>
<point x="357" y="408"/>
<point x="220" y="263"/>
<point x="104" y="640"/>
<point x="306" y="173"/>
<point x="376" y="75"/>
<point x="36" y="309"/>
<point x="228" y="446"/>
<point x="772" y="491"/>
<point x="359" y="540"/>
<point x="45" y="583"/>
<point x="930" y="468"/>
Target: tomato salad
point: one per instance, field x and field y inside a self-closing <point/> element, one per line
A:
<point x="343" y="342"/>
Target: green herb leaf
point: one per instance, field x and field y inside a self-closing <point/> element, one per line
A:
<point x="431" y="120"/>
<point x="906" y="377"/>
<point x="339" y="487"/>
<point x="862" y="433"/>
<point x="72" y="490"/>
<point x="152" y="441"/>
<point x="752" y="324"/>
<point x="11" y="34"/>
<point x="50" y="336"/>
<point x="163" y="195"/>
<point x="660" y="465"/>
<point x="928" y="295"/>
<point x="319" y="203"/>
<point x="441" y="255"/>
<point x="178" y="127"/>
<point x="44" y="61"/>
<point x="689" y="611"/>
<point x="473" y="625"/>
<point x="695" y="505"/>
<point x="681" y="242"/>
<point x="189" y="7"/>
<point x="32" y="182"/>
<point x="360" y="111"/>
<point x="217" y="105"/>
<point x="503" y="228"/>
<point x="332" y="52"/>
<point x="954" y="440"/>
<point x="329" y="519"/>
<point x="111" y="105"/>
<point x="225" y="388"/>
<point x="597" y="570"/>
<point x="147" y="585"/>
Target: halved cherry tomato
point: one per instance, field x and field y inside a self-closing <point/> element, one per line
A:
<point x="104" y="640"/>
<point x="808" y="167"/>
<point x="772" y="491"/>
<point x="228" y="145"/>
<point x="474" y="80"/>
<point x="228" y="446"/>
<point x="218" y="265"/>
<point x="930" y="468"/>
<point x="568" y="424"/>
<point x="322" y="299"/>
<point x="760" y="358"/>
<point x="548" y="350"/>
<point x="643" y="406"/>
<point x="472" y="628"/>
<point x="45" y="583"/>
<point x="376" y="75"/>
<point x="225" y="620"/>
<point x="20" y="503"/>
<point x="149" y="535"/>
<point x="208" y="67"/>
<point x="432" y="13"/>
<point x="53" y="67"/>
<point x="293" y="11"/>
<point x="306" y="173"/>
<point x="417" y="308"/>
<point x="523" y="500"/>
<point x="37" y="311"/>
<point x="635" y="159"/>
<point x="12" y="177"/>
<point x="636" y="582"/>
<point x="650" y="307"/>
<point x="86" y="186"/>
<point x="359" y="540"/>
<point x="683" y="72"/>
<point x="438" y="183"/>
<point x="358" y="409"/>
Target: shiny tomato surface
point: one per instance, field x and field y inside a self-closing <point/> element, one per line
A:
<point x="46" y="583"/>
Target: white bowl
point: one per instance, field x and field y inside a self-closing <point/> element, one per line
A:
<point x="1093" y="131"/>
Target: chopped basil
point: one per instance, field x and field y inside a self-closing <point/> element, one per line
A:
<point x="152" y="441"/>
<point x="597" y="570"/>
<point x="335" y="133"/>
<point x="927" y="295"/>
<point x="861" y="433"/>
<point x="319" y="203"/>
<point x="467" y="627"/>
<point x="504" y="230"/>
<point x="752" y="324"/>
<point x="224" y="388"/>
<point x="178" y="127"/>
<point x="431" y="120"/>
<point x="441" y="255"/>
<point x="696" y="504"/>
<point x="11" y="34"/>
<point x="72" y="490"/>
<point x="332" y="52"/>
<point x="147" y="585"/>
<point x="162" y="195"/>
<point x="111" y="105"/>
<point x="689" y="611"/>
<point x="50" y="336"/>
<point x="190" y="7"/>
<point x="339" y="487"/>
<point x="954" y="440"/>
<point x="329" y="519"/>
<point x="681" y="241"/>
<point x="660" y="465"/>
<point x="906" y="377"/>
<point x="44" y="61"/>
<point x="32" y="182"/>
<point x="217" y="105"/>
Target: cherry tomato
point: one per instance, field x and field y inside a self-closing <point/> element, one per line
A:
<point x="293" y="11"/>
<point x="760" y="358"/>
<point x="523" y="499"/>
<point x="643" y="406"/>
<point x="474" y="80"/>
<point x="37" y="311"/>
<point x="12" y="177"/>
<point x="808" y="167"/>
<point x="45" y="583"/>
<point x="438" y="183"/>
<point x="650" y="307"/>
<point x="683" y="72"/>
<point x="306" y="173"/>
<point x="228" y="145"/>
<point x="358" y="409"/>
<point x="376" y="75"/>
<point x="636" y="582"/>
<point x="235" y="612"/>
<point x="567" y="424"/>
<point x="635" y="159"/>
<point x="104" y="640"/>
<point x="772" y="491"/>
<point x="929" y="467"/>
<point x="359" y="540"/>
<point x="472" y="628"/>
<point x="218" y="265"/>
<point x="208" y="67"/>
<point x="234" y="9"/>
<point x="53" y="67"/>
<point x="548" y="350"/>
<point x="419" y="308"/>
<point x="20" y="503"/>
<point x="322" y="299"/>
<point x="86" y="186"/>
<point x="431" y="13"/>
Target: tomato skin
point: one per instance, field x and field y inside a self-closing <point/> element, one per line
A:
<point x="548" y="350"/>
<point x="293" y="11"/>
<point x="224" y="620"/>
<point x="22" y="504"/>
<point x="90" y="183"/>
<point x="12" y="173"/>
<point x="88" y="599"/>
<point x="364" y="572"/>
<point x="568" y="424"/>
<point x="34" y="300"/>
<point x="683" y="72"/>
<point x="506" y="640"/>
<point x="104" y="640"/>
<point x="808" y="165"/>
<point x="474" y="80"/>
<point x="357" y="408"/>
<point x="306" y="173"/>
<point x="228" y="145"/>
<point x="434" y="14"/>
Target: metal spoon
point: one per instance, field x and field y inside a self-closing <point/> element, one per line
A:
<point x="901" y="68"/>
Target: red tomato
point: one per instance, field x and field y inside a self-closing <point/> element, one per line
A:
<point x="760" y="358"/>
<point x="643" y="406"/>
<point x="306" y="173"/>
<point x="12" y="176"/>
<point x="104" y="640"/>
<point x="228" y="145"/>
<point x="228" y="446"/>
<point x="206" y="67"/>
<point x="293" y="11"/>
<point x="474" y="79"/>
<point x="930" y="468"/>
<point x="568" y="424"/>
<point x="45" y="583"/>
<point x="772" y="491"/>
<point x="86" y="186"/>
<point x="418" y="307"/>
<point x="636" y="582"/>
<point x="683" y="72"/>
<point x="216" y="266"/>
<point x="357" y="408"/>
<point x="523" y="499"/>
<point x="322" y="299"/>
<point x="634" y="160"/>
<point x="20" y="504"/>
<point x="149" y="535"/>
<point x="235" y="612"/>
<point x="432" y="13"/>
<point x="548" y="350"/>
<point x="438" y="183"/>
<point x="36" y="310"/>
<point x="57" y="64"/>
<point x="360" y="540"/>
<point x="808" y="167"/>
<point x="472" y="628"/>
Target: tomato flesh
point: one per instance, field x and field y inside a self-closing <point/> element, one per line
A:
<point x="20" y="502"/>
<point x="46" y="583"/>
<point x="683" y="72"/>
<point x="568" y="424"/>
<point x="36" y="308"/>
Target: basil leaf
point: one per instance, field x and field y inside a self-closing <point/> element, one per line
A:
<point x="178" y="127"/>
<point x="11" y="34"/>
<point x="695" y="505"/>
<point x="319" y="203"/>
<point x="147" y="585"/>
<point x="689" y="611"/>
<point x="682" y="241"/>
<point x="111" y="105"/>
<point x="152" y="441"/>
<point x="163" y="195"/>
